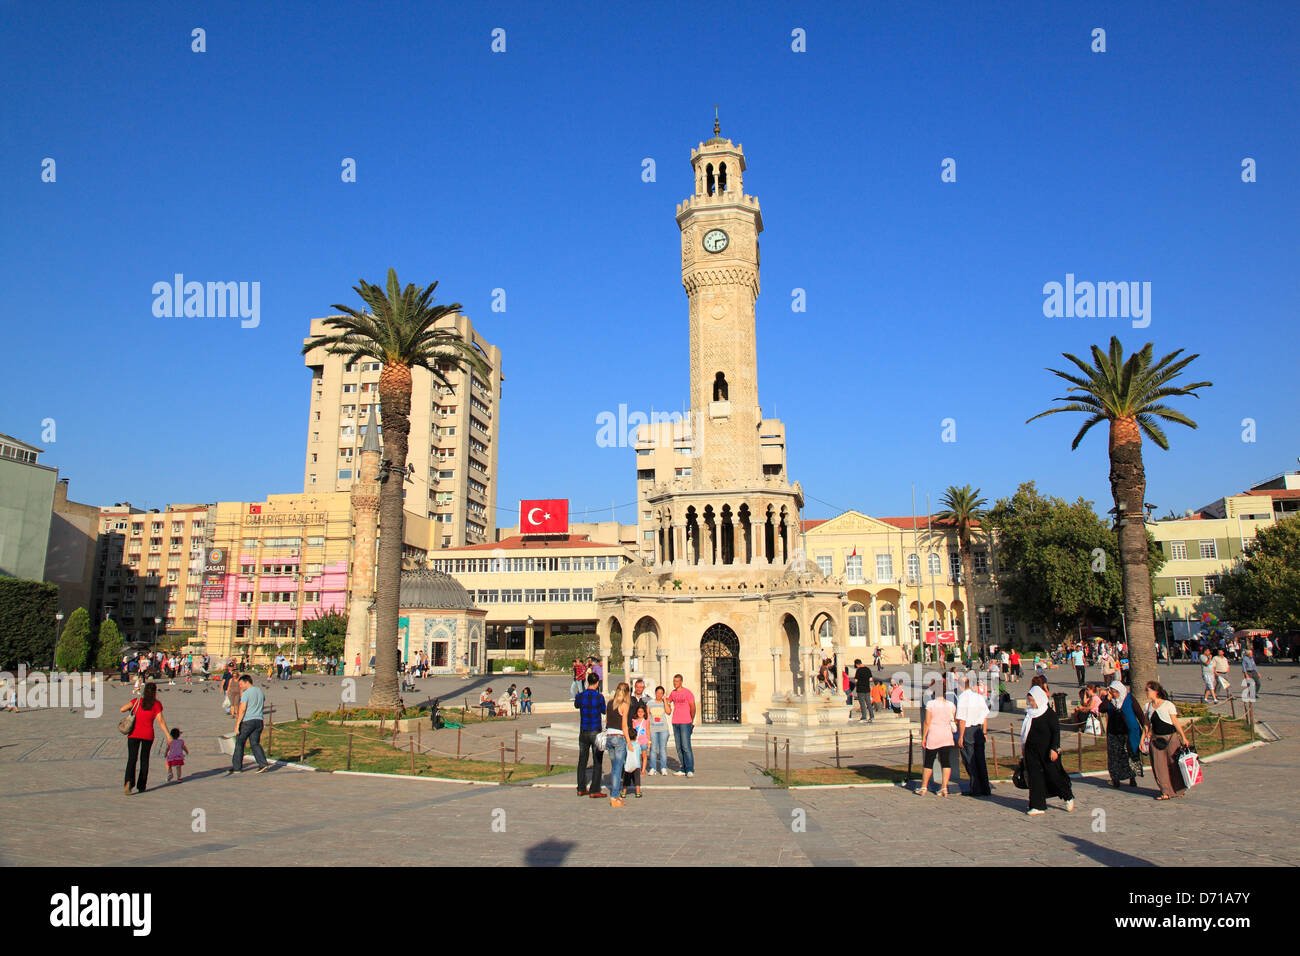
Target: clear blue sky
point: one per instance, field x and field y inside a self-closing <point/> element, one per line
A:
<point x="522" y="171"/>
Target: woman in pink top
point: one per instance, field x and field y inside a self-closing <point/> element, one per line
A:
<point x="937" y="741"/>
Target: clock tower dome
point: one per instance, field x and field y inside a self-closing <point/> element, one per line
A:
<point x="720" y="227"/>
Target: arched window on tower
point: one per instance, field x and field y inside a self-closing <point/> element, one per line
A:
<point x="722" y="177"/>
<point x="720" y="388"/>
<point x="708" y="179"/>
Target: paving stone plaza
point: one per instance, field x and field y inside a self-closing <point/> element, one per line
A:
<point x="61" y="788"/>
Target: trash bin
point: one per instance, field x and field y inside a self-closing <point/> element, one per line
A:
<point x="1058" y="699"/>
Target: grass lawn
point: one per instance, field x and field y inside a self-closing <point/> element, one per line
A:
<point x="327" y="749"/>
<point x="1235" y="733"/>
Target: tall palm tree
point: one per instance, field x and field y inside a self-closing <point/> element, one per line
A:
<point x="963" y="509"/>
<point x="395" y="326"/>
<point x="1129" y="394"/>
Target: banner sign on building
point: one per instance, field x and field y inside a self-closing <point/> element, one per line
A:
<point x="945" y="637"/>
<point x="544" y="516"/>
<point x="214" y="574"/>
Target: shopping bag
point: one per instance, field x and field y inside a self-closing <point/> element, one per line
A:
<point x="1189" y="765"/>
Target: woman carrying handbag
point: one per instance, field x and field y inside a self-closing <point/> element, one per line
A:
<point x="144" y="713"/>
<point x="1040" y="734"/>
<point x="1162" y="725"/>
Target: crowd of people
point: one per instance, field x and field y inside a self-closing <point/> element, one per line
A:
<point x="157" y="665"/>
<point x="512" y="703"/>
<point x="634" y="734"/>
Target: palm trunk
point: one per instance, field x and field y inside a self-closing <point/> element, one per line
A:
<point x="1128" y="487"/>
<point x="968" y="574"/>
<point x="395" y="402"/>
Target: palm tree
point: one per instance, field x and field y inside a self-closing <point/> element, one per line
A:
<point x="396" y="326"/>
<point x="1129" y="394"/>
<point x="963" y="509"/>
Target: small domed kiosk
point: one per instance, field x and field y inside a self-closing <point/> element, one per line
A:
<point x="437" y="616"/>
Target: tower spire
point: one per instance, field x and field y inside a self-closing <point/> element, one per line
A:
<point x="717" y="129"/>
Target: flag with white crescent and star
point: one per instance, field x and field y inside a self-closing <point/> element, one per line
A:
<point x="544" y="516"/>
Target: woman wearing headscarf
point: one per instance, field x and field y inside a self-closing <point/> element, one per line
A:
<point x="1162" y="725"/>
<point x="1123" y="736"/>
<point x="1040" y="735"/>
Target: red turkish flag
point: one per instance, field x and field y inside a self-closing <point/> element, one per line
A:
<point x="544" y="516"/>
<point x="254" y="509"/>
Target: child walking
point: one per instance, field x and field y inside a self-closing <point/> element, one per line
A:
<point x="176" y="751"/>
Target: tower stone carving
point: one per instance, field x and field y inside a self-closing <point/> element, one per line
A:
<point x="720" y="226"/>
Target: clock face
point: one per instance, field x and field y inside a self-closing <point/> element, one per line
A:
<point x="715" y="240"/>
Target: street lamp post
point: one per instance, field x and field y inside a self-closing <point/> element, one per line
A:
<point x="979" y="638"/>
<point x="58" y="628"/>
<point x="528" y="646"/>
<point x="156" y="622"/>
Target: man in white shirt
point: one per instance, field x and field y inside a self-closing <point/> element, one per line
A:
<point x="972" y="725"/>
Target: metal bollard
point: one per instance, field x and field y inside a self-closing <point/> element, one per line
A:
<point x="548" y="754"/>
<point x="412" y="743"/>
<point x="503" y="761"/>
<point x="837" y="750"/>
<point x="302" y="747"/>
<point x="349" y="751"/>
<point x="787" y="763"/>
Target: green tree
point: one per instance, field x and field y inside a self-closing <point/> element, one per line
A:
<point x="74" y="642"/>
<point x="1060" y="560"/>
<point x="1129" y="394"/>
<point x="962" y="510"/>
<point x="27" y="622"/>
<point x="1264" y="590"/>
<point x="396" y="326"/>
<point x="323" y="636"/>
<point x="110" y="647"/>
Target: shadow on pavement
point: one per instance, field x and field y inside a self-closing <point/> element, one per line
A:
<point x="548" y="853"/>
<point x="1105" y="855"/>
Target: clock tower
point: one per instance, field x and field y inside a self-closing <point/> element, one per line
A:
<point x="720" y="227"/>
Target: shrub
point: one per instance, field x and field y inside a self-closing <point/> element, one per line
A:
<point x="27" y="622"/>
<point x="74" y="642"/>
<point x="561" y="649"/>
<point x="110" y="647"/>
<point x="368" y="713"/>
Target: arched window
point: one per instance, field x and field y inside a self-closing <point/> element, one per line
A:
<point x="913" y="567"/>
<point x="888" y="621"/>
<point x="708" y="179"/>
<point x="857" y="620"/>
<point x="826" y="633"/>
<point x="720" y="388"/>
<point x="722" y="177"/>
<point x="936" y="566"/>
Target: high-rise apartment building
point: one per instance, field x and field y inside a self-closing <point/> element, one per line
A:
<point x="453" y="443"/>
<point x="148" y="569"/>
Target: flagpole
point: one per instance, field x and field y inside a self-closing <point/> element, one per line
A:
<point x="929" y="533"/>
<point x="920" y="613"/>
